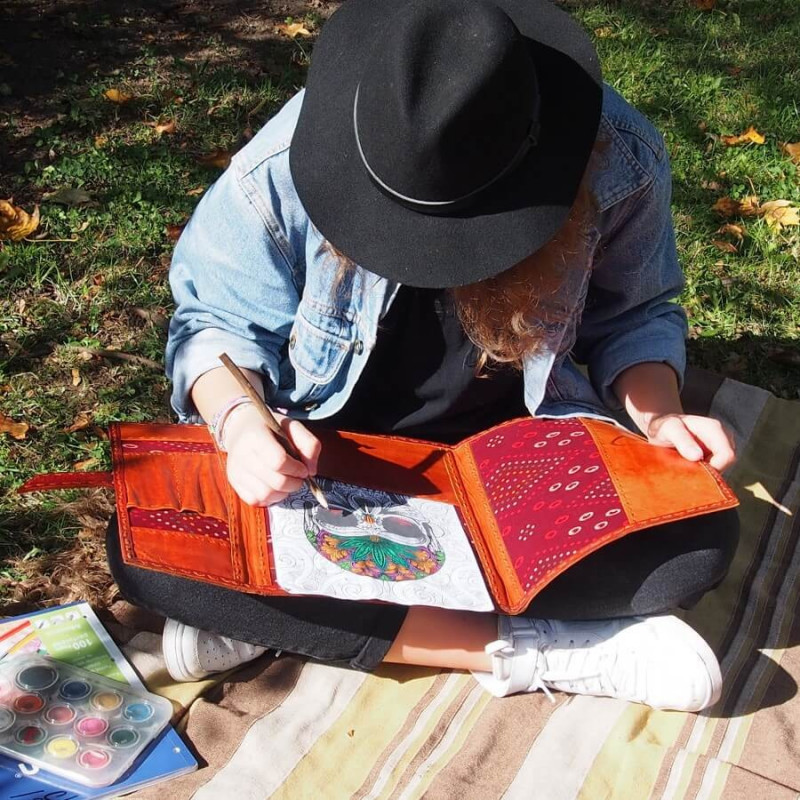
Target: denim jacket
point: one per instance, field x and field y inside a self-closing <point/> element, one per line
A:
<point x="251" y="277"/>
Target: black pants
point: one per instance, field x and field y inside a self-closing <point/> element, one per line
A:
<point x="648" y="572"/>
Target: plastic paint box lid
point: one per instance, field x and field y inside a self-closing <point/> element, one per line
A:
<point x="73" y="723"/>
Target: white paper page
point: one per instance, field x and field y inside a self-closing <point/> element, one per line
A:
<point x="374" y="545"/>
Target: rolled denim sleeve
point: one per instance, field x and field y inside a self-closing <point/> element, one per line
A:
<point x="233" y="288"/>
<point x="630" y="315"/>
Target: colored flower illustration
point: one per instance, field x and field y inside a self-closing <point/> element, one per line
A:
<point x="377" y="541"/>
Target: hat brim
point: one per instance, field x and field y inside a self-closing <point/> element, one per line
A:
<point x="510" y="220"/>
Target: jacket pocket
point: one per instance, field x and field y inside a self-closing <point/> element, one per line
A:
<point x="317" y="355"/>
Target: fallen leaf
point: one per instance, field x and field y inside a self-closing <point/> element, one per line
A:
<point x="196" y="191"/>
<point x="780" y="214"/>
<point x="726" y="247"/>
<point x="16" y="224"/>
<point x="163" y="127"/>
<point x="100" y="141"/>
<point x="792" y="149"/>
<point x="728" y="207"/>
<point x="704" y="5"/>
<point x="76" y="377"/>
<point x="68" y="197"/>
<point x="736" y="231"/>
<point x="117" y="96"/>
<point x="82" y="421"/>
<point x="293" y="30"/>
<point x="604" y="33"/>
<point x="750" y="136"/>
<point x="174" y="232"/>
<point x="17" y="430"/>
<point x="87" y="463"/>
<point x="218" y="158"/>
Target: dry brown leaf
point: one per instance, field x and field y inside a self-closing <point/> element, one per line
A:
<point x="737" y="231"/>
<point x="780" y="214"/>
<point x="100" y="141"/>
<point x="198" y="190"/>
<point x="792" y="149"/>
<point x="117" y="96"/>
<point x="17" y="430"/>
<point x="218" y="158"/>
<point x="82" y="421"/>
<point x="704" y="5"/>
<point x="750" y="136"/>
<point x="604" y="33"/>
<point x="76" y="377"/>
<point x="16" y="224"/>
<point x="293" y="30"/>
<point x="728" y="207"/>
<point x="174" y="232"/>
<point x="86" y="464"/>
<point x="726" y="247"/>
<point x="162" y="128"/>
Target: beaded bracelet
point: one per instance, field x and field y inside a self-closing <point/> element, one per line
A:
<point x="217" y="424"/>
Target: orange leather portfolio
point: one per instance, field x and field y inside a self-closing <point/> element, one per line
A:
<point x="533" y="496"/>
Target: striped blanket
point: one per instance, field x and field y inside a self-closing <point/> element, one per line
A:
<point x="287" y="728"/>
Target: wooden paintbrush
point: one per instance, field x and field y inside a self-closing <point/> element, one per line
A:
<point x="272" y="423"/>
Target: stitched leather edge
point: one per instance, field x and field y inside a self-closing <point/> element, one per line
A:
<point x="728" y="498"/>
<point x="234" y="509"/>
<point x="490" y="572"/>
<point x="48" y="481"/>
<point x="489" y="530"/>
<point x="121" y="492"/>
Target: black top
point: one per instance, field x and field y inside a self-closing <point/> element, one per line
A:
<point x="420" y="379"/>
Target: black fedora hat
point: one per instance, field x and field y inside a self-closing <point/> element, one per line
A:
<point x="440" y="142"/>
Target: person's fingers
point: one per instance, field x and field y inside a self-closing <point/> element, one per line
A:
<point x="274" y="458"/>
<point x="284" y="484"/>
<point x="306" y="443"/>
<point x="254" y="491"/>
<point x="715" y="438"/>
<point x="673" y="432"/>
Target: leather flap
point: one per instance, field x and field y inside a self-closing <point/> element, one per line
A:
<point x="68" y="480"/>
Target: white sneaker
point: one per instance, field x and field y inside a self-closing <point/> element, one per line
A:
<point x="192" y="654"/>
<point x="659" y="661"/>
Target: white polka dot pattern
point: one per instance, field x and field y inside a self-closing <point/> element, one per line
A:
<point x="147" y="446"/>
<point x="550" y="493"/>
<point x="168" y="519"/>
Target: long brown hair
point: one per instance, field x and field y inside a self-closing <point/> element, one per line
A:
<point x="509" y="315"/>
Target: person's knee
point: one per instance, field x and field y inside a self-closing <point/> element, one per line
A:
<point x="721" y="542"/>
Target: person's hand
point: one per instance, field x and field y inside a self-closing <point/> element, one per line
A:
<point x="259" y="469"/>
<point x="695" y="438"/>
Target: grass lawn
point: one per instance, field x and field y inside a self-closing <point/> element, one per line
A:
<point x="83" y="309"/>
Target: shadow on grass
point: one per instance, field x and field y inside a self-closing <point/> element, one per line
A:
<point x="54" y="51"/>
<point x="770" y="362"/>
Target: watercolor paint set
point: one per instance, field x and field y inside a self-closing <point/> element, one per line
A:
<point x="75" y="723"/>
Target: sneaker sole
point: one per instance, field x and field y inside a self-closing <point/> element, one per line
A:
<point x="172" y="648"/>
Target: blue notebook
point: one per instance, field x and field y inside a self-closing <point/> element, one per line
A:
<point x="73" y="633"/>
